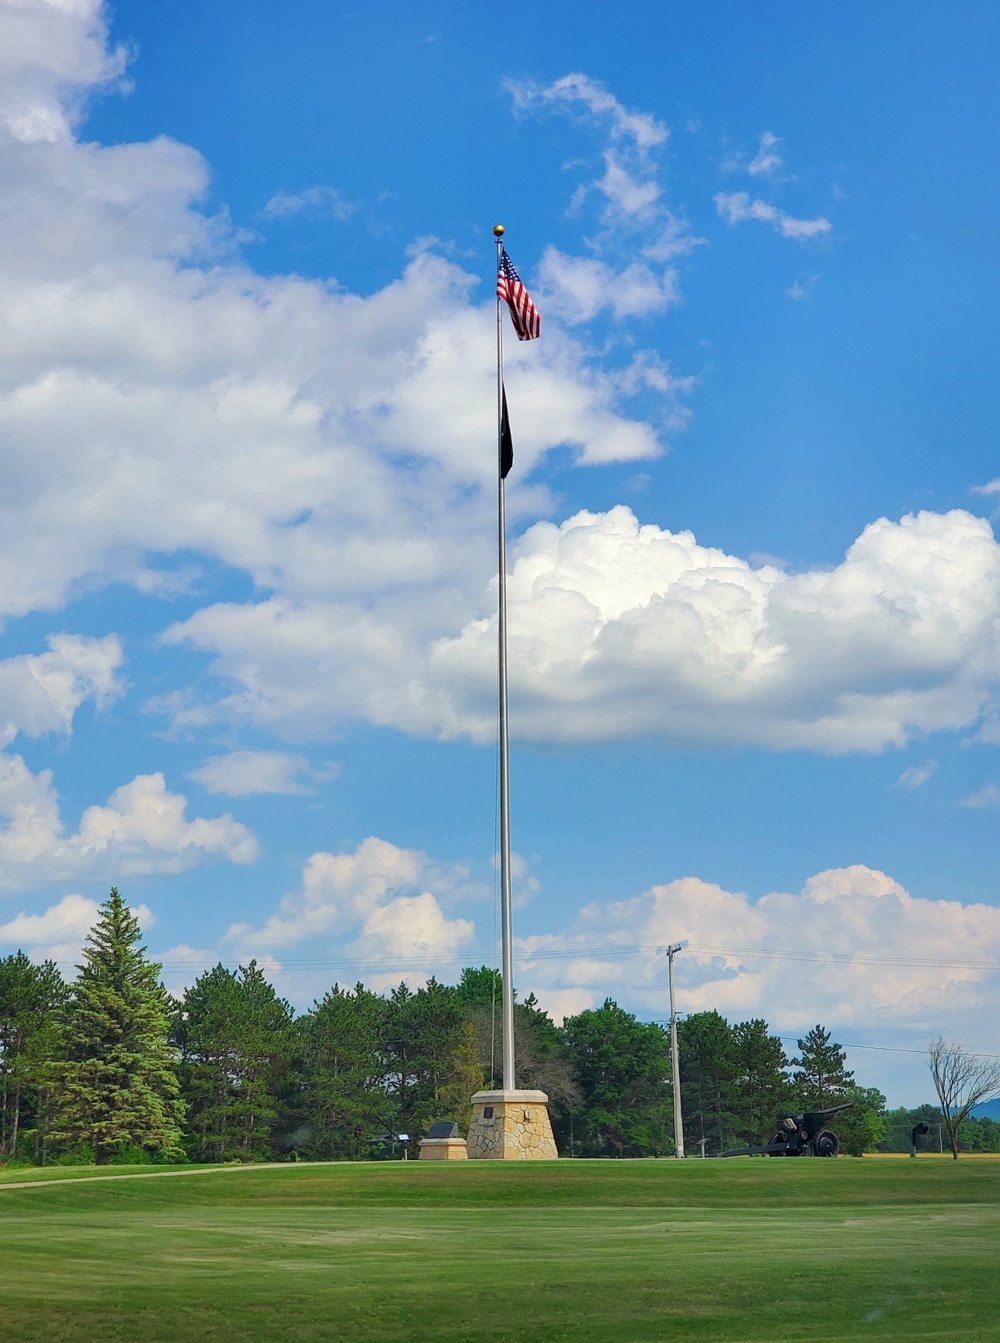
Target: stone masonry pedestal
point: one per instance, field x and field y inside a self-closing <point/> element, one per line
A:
<point x="512" y="1126"/>
<point x="443" y="1149"/>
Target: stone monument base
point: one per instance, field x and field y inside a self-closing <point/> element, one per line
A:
<point x="512" y="1126"/>
<point x="443" y="1149"/>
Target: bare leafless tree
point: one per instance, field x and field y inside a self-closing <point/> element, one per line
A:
<point x="961" y="1080"/>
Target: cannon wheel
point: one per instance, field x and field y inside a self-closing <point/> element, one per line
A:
<point x="826" y="1143"/>
<point x="780" y="1137"/>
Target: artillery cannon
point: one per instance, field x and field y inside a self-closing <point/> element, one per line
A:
<point x="799" y="1135"/>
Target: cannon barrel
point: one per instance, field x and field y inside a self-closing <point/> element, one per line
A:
<point x="819" y="1115"/>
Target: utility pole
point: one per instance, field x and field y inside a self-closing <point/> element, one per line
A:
<point x="675" y="1067"/>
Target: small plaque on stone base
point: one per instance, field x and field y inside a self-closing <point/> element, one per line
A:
<point x="511" y="1125"/>
<point x="443" y="1144"/>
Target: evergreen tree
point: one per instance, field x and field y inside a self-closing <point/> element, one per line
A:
<point x="345" y="1103"/>
<point x="423" y="1031"/>
<point x="31" y="999"/>
<point x="822" y="1077"/>
<point x="464" y="1079"/>
<point x="621" y="1066"/>
<point x="236" y="1041"/>
<point x="117" y="1086"/>
<point x="479" y="986"/>
<point x="762" y="1081"/>
<point x="709" y="1081"/>
<point x="540" y="1057"/>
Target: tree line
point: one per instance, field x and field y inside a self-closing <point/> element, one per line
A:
<point x="111" y="1068"/>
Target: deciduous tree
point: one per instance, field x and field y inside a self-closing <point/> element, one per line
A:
<point x="961" y="1081"/>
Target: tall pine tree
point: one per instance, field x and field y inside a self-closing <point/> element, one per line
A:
<point x="822" y="1077"/>
<point x="762" y="1081"/>
<point x="31" y="999"/>
<point x="423" y="1031"/>
<point x="345" y="1103"/>
<point x="709" y="1072"/>
<point x="117" y="1085"/>
<point x="236" y="1041"/>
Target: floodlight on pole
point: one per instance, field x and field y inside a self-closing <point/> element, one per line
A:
<point x="675" y="1067"/>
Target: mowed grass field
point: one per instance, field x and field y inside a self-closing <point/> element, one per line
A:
<point x="582" y="1251"/>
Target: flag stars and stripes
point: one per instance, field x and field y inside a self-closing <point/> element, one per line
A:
<point x="524" y="314"/>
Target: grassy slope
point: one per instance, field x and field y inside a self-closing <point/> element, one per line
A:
<point x="588" y="1251"/>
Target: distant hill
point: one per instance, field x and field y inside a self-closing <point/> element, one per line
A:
<point x="988" y="1110"/>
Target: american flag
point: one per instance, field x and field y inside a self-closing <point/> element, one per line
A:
<point x="523" y="312"/>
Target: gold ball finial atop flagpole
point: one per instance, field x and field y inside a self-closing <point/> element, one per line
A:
<point x="498" y="230"/>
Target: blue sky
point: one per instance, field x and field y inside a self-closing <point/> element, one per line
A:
<point x="247" y="554"/>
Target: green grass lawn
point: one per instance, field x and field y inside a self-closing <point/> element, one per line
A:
<point x="582" y="1251"/>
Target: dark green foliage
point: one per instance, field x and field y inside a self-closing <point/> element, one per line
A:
<point x="900" y="1124"/>
<point x="621" y="1067"/>
<point x="974" y="1135"/>
<point x="31" y="1001"/>
<point x="479" y="987"/>
<point x="862" y="1127"/>
<point x="236" y="1043"/>
<point x="345" y="1104"/>
<point x="111" y="1070"/>
<point x="542" y="1057"/>
<point x="116" y="1084"/>
<point x="709" y="1072"/>
<point x="822" y="1077"/>
<point x="423" y="1031"/>
<point x="979" y="1135"/>
<point x="465" y="1078"/>
<point x="763" y="1087"/>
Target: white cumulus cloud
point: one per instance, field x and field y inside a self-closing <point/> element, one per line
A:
<point x="142" y="828"/>
<point x="41" y="692"/>
<point x="58" y="933"/>
<point x="852" y="949"/>
<point x="322" y="201"/>
<point x="158" y="395"/>
<point x="375" y="904"/>
<point x="620" y="629"/>
<point x="735" y="207"/>
<point x="768" y="158"/>
<point x="576" y="92"/>
<point x="578" y="288"/>
<point x="634" y="216"/>
<point x="53" y="54"/>
<point x="246" y="773"/>
<point x="987" y="796"/>
<point x="917" y="775"/>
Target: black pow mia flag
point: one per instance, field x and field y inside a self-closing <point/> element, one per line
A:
<point x="506" y="442"/>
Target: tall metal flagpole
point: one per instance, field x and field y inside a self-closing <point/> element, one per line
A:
<point x="508" y="1123"/>
<point x="506" y="923"/>
<point x="675" y="1066"/>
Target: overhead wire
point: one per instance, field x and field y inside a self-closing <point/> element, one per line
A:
<point x="527" y="957"/>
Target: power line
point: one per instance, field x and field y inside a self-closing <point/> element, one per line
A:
<point x="615" y="950"/>
<point x="885" y="1049"/>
